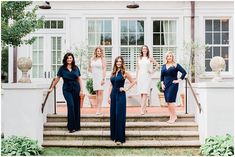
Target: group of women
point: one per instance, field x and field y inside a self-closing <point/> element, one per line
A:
<point x="73" y="86"/>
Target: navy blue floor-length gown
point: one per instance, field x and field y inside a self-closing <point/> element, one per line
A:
<point x="167" y="76"/>
<point x="118" y="109"/>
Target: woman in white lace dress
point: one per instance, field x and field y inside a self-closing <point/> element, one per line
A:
<point x="143" y="75"/>
<point x="97" y="67"/>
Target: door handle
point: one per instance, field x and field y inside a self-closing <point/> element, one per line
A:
<point x="49" y="74"/>
<point x="45" y="74"/>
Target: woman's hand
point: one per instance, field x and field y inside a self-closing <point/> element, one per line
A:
<point x="122" y="89"/>
<point x="150" y="71"/>
<point x="163" y="86"/>
<point x="109" y="100"/>
<point x="81" y="92"/>
<point x="176" y="81"/>
<point x="50" y="90"/>
<point x="102" y="82"/>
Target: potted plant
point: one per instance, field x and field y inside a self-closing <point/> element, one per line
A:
<point x="161" y="94"/>
<point x="92" y="93"/>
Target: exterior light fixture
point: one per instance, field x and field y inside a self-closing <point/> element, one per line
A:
<point x="133" y="5"/>
<point x="45" y="5"/>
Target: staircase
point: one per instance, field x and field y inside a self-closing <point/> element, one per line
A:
<point x="150" y="130"/>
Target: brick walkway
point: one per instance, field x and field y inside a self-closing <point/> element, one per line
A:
<point x="130" y="110"/>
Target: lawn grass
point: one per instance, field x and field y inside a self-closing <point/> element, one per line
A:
<point x="56" y="151"/>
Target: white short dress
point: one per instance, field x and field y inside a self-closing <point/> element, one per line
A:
<point x="144" y="77"/>
<point x="97" y="74"/>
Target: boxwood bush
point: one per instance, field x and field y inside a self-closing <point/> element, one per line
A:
<point x="218" y="146"/>
<point x="16" y="146"/>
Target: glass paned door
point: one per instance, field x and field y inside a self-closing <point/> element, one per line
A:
<point x="56" y="54"/>
<point x="46" y="57"/>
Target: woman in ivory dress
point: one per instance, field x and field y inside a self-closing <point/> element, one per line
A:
<point x="143" y="75"/>
<point x="97" y="67"/>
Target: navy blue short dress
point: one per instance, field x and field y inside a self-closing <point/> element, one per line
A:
<point x="168" y="76"/>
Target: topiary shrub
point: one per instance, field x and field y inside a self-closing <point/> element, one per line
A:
<point x="20" y="146"/>
<point x="89" y="86"/>
<point x="218" y="146"/>
<point x="159" y="86"/>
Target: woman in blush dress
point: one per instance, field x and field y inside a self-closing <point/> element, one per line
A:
<point x="170" y="83"/>
<point x="97" y="67"/>
<point x="117" y="100"/>
<point x="143" y="75"/>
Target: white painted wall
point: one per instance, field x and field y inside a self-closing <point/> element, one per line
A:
<point x="21" y="109"/>
<point x="217" y="101"/>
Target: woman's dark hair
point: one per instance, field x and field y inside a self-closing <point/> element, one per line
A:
<point x="115" y="68"/>
<point x="65" y="61"/>
<point x="141" y="52"/>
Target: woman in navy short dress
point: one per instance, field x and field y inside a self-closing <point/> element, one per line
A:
<point x="72" y="89"/>
<point x="170" y="83"/>
<point x="118" y="100"/>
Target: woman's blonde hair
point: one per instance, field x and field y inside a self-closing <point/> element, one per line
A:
<point x="95" y="52"/>
<point x="173" y="57"/>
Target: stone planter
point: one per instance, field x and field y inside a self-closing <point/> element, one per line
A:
<point x="162" y="99"/>
<point x="92" y="99"/>
<point x="24" y="64"/>
<point x="82" y="100"/>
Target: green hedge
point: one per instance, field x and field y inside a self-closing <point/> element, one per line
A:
<point x="218" y="146"/>
<point x="19" y="146"/>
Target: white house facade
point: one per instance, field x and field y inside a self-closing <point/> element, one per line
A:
<point x="121" y="31"/>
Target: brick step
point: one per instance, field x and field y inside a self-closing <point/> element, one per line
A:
<point x="130" y="135"/>
<point x="129" y="118"/>
<point x="109" y="143"/>
<point x="141" y="126"/>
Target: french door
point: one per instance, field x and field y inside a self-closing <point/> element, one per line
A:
<point x="47" y="54"/>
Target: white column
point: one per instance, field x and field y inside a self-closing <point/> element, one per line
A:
<point x="21" y="109"/>
<point x="217" y="102"/>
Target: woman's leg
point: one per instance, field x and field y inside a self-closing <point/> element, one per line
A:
<point x="77" y="113"/>
<point x="173" y="116"/>
<point x="145" y="102"/>
<point x="70" y="108"/>
<point x="141" y="104"/>
<point x="99" y="99"/>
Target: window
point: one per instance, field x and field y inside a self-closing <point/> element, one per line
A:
<point x="53" y="24"/>
<point x="56" y="54"/>
<point x="164" y="38"/>
<point x="131" y="39"/>
<point x="100" y="33"/>
<point x="37" y="67"/>
<point x="217" y="39"/>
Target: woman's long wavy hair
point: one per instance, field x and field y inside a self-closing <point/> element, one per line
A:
<point x="115" y="68"/>
<point x="95" y="52"/>
<point x="65" y="60"/>
<point x="173" y="57"/>
<point x="141" y="51"/>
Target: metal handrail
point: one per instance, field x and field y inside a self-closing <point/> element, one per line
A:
<point x="194" y="95"/>
<point x="45" y="100"/>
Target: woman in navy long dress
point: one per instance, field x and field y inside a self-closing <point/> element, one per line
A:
<point x="170" y="83"/>
<point x="72" y="89"/>
<point x="118" y="100"/>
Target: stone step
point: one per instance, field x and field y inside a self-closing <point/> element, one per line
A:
<point x="130" y="135"/>
<point x="109" y="143"/>
<point x="105" y="126"/>
<point x="129" y="118"/>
